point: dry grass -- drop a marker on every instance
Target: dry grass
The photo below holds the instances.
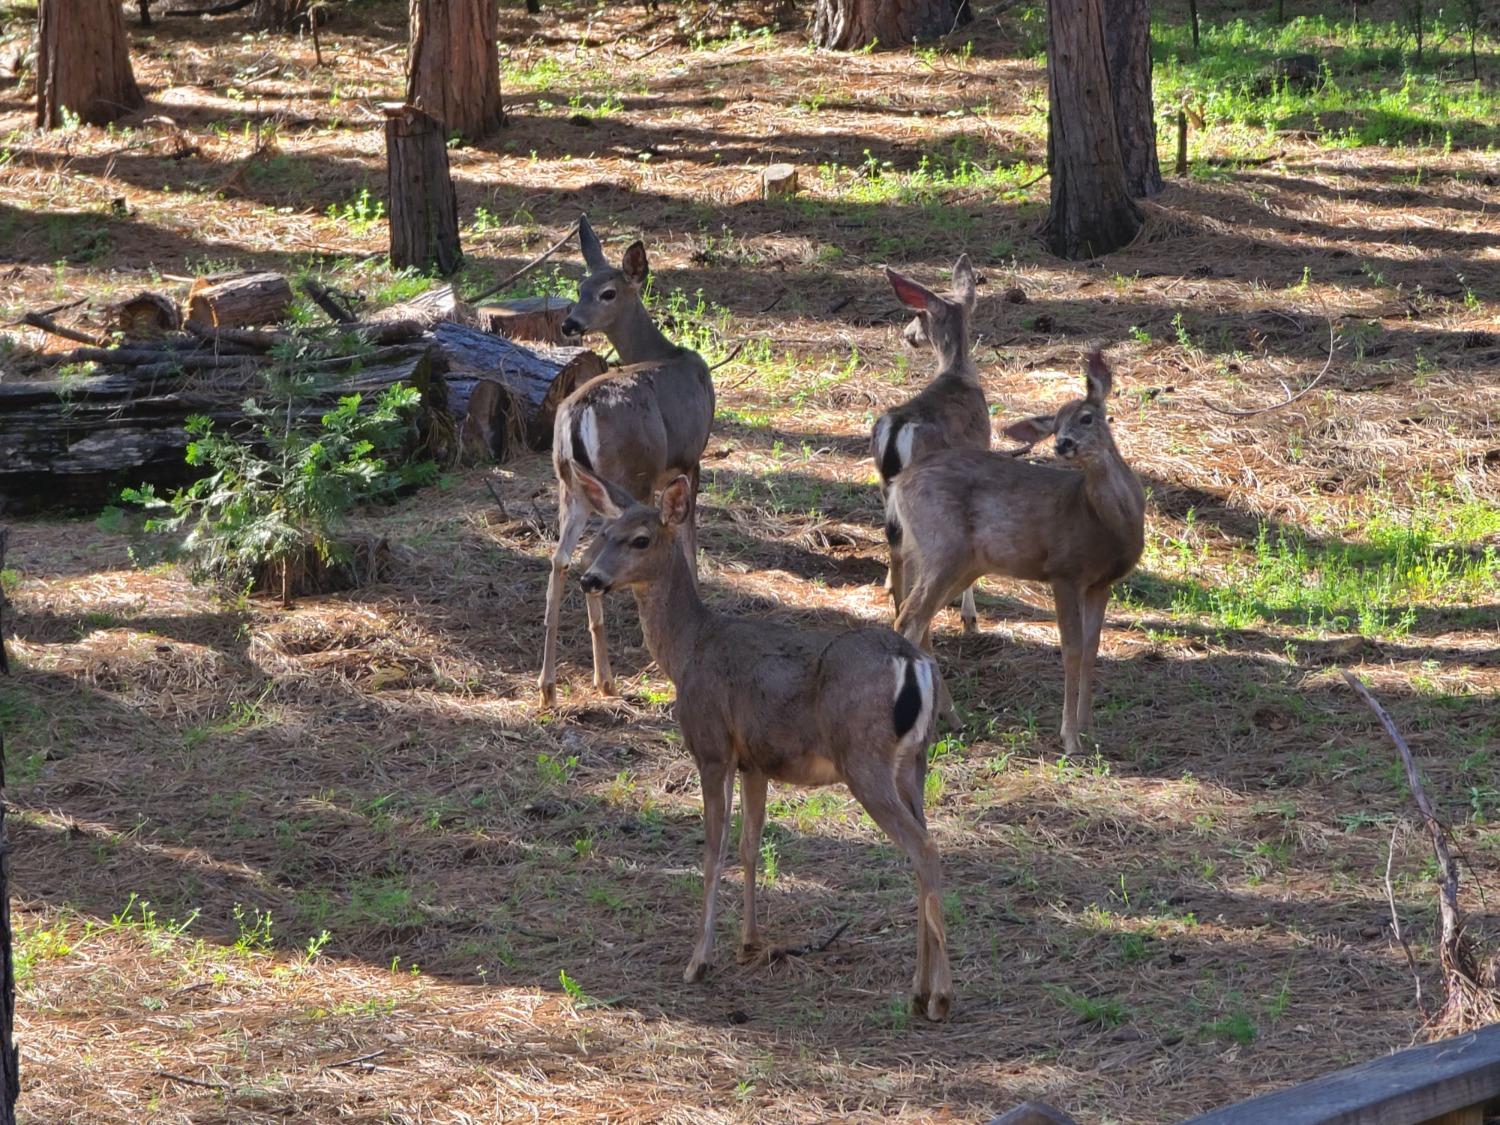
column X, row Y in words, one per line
column 1193, row 915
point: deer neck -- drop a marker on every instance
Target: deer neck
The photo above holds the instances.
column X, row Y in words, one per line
column 956, row 362
column 1114, row 494
column 672, row 615
column 637, row 339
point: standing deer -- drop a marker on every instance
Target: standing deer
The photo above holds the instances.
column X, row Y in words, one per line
column 771, row 701
column 964, row 514
column 949, row 413
column 639, row 425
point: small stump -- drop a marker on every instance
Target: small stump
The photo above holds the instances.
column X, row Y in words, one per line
column 423, row 204
column 779, row 181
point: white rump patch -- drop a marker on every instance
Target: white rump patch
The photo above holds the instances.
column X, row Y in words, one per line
column 882, row 435
column 904, row 437
column 588, row 433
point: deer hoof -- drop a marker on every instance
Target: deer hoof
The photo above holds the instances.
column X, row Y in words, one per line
column 549, row 696
column 971, row 625
column 695, row 972
column 606, row 685
column 751, row 951
column 939, row 1004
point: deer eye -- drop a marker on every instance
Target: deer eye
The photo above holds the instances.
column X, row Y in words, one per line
column 607, row 295
column 641, row 542
column 1085, row 418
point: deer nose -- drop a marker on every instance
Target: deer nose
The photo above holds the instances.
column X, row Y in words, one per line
column 1066, row 447
column 592, row 583
column 571, row 327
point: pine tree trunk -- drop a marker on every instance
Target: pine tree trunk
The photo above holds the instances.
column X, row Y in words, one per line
column 1091, row 213
column 848, row 25
column 423, row 204
column 83, row 63
column 278, row 15
column 1127, row 34
column 453, row 70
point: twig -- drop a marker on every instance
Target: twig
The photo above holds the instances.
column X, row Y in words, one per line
column 192, row 1081
column 495, row 492
column 730, row 357
column 241, row 337
column 1291, row 398
column 47, row 324
column 324, row 298
column 774, row 301
column 821, row 947
column 527, row 268
column 356, row 1060
column 4, row 660
column 1390, row 897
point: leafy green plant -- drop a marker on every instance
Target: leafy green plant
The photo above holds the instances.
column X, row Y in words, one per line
column 359, row 214
column 277, row 493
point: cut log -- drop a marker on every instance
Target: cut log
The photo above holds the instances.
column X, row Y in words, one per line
column 146, row 316
column 779, row 181
column 504, row 396
column 526, row 318
column 259, row 298
column 423, row 204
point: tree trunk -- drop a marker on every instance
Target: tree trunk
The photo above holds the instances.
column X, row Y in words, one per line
column 453, row 70
column 1092, row 212
column 1193, row 19
column 1127, row 34
column 83, row 63
column 278, row 15
column 423, row 204
column 848, row 25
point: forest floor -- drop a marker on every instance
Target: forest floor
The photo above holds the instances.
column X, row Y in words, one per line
column 331, row 863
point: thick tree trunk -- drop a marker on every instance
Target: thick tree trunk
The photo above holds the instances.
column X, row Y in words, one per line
column 423, row 204
column 278, row 15
column 1092, row 212
column 1127, row 34
column 848, row 25
column 83, row 63
column 453, row 70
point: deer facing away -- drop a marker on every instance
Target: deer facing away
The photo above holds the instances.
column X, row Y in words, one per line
column 949, row 413
column 963, row 514
column 773, row 702
column 640, row 426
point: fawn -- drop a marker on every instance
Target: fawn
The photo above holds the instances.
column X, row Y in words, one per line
column 963, row 514
column 770, row 701
column 639, row 425
column 949, row 413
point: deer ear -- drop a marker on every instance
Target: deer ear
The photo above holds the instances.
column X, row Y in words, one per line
column 912, row 295
column 676, row 500
column 1097, row 376
column 635, row 267
column 588, row 242
column 965, row 283
column 1032, row 430
column 609, row 500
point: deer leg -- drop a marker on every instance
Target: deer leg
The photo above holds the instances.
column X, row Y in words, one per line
column 969, row 612
column 718, row 794
column 604, row 678
column 895, row 579
column 752, row 823
column 932, row 987
column 572, row 516
column 1070, row 633
column 1094, row 602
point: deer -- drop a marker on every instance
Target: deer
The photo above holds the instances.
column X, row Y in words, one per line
column 640, row 425
column 949, row 413
column 963, row 514
column 773, row 702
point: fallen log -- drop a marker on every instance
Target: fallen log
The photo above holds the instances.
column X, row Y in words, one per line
column 145, row 316
column 260, row 298
column 526, row 318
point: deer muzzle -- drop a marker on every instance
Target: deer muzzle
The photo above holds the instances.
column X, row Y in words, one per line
column 593, row 583
column 571, row 328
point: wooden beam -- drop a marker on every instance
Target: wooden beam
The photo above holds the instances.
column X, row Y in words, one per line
column 1408, row 1088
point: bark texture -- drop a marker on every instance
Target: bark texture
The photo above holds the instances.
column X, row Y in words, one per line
column 279, row 15
column 1127, row 34
column 423, row 204
column 83, row 63
column 848, row 25
column 259, row 298
column 453, row 70
column 1092, row 212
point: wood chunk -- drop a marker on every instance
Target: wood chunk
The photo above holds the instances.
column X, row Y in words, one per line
column 258, row 298
column 146, row 316
column 526, row 318
column 779, row 181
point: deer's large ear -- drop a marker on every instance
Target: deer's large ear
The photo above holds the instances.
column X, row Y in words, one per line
column 604, row 497
column 676, row 501
column 1032, row 430
column 635, row 267
column 1097, row 375
column 965, row 283
column 588, row 242
column 912, row 294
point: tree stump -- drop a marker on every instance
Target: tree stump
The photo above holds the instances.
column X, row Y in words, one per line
column 526, row 318
column 279, row 15
column 1092, row 212
column 258, row 298
column 83, row 63
column 779, row 181
column 1127, row 37
column 423, row 205
column 146, row 316
column 453, row 67
column 849, row 25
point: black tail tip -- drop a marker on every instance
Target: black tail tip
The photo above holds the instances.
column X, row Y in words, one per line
column 893, row 532
column 908, row 705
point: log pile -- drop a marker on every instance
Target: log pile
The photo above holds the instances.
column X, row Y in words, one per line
column 71, row 440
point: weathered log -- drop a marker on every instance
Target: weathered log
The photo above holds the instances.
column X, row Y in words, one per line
column 145, row 316
column 528, row 384
column 779, row 181
column 423, row 204
column 526, row 318
column 259, row 298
